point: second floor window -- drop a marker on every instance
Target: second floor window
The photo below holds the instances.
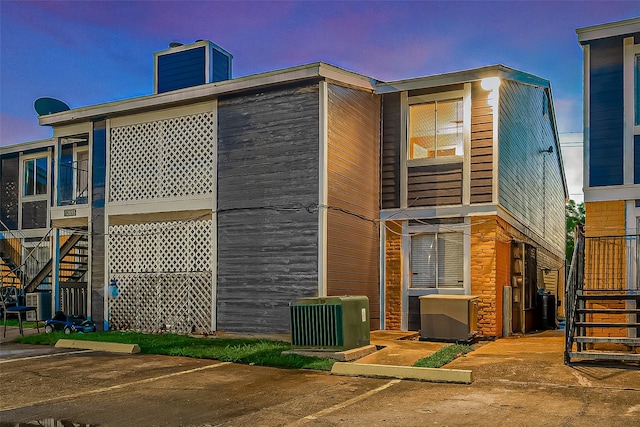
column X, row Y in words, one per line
column 35, row 176
column 435, row 129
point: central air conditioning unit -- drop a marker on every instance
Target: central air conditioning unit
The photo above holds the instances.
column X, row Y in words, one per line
column 42, row 302
column 448, row 317
column 330, row 323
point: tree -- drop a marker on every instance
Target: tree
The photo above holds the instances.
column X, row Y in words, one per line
column 574, row 213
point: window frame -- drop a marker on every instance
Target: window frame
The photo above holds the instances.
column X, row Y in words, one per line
column 23, row 174
column 437, row 286
column 457, row 95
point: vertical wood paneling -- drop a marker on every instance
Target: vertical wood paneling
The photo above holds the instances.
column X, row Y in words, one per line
column 481, row 146
column 353, row 248
column 267, row 207
column 530, row 180
column 390, row 173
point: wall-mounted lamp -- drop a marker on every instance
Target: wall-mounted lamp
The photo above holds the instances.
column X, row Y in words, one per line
column 490, row 83
column 548, row 150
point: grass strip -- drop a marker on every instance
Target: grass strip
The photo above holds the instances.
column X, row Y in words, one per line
column 250, row 351
column 443, row 356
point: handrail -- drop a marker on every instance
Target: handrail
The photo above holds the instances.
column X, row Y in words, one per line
column 575, row 284
column 24, row 261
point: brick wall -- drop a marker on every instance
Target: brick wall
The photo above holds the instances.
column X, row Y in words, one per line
column 483, row 273
column 393, row 275
column 605, row 259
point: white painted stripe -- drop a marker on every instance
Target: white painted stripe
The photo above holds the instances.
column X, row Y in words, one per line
column 343, row 404
column 114, row 387
column 43, row 356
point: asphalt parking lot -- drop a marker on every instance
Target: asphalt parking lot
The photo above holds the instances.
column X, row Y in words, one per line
column 515, row 383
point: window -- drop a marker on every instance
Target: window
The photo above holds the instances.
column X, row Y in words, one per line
column 73, row 170
column 437, row 260
column 35, row 176
column 435, row 129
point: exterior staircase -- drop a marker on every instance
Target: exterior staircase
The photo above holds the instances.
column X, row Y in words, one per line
column 72, row 274
column 602, row 310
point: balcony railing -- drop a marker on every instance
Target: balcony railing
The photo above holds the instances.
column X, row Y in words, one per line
column 73, row 183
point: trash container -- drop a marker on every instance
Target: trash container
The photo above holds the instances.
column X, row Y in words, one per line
column 547, row 310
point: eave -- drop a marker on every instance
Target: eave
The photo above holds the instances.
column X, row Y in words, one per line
column 317, row 70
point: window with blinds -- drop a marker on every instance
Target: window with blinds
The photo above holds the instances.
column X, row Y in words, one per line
column 437, row 260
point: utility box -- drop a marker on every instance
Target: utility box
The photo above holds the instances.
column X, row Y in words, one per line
column 42, row 302
column 330, row 323
column 448, row 317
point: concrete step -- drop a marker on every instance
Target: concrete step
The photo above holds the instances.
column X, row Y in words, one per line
column 601, row 355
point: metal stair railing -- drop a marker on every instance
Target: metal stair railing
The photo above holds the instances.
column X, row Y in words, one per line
column 20, row 270
column 48, row 267
column 575, row 285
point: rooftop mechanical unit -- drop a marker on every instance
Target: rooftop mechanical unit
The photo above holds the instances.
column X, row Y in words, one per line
column 194, row 64
column 330, row 323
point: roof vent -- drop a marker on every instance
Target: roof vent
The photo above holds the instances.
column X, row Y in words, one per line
column 189, row 65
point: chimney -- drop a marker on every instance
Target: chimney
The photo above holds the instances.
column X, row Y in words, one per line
column 188, row 65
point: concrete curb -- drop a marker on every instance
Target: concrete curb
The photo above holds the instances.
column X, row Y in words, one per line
column 99, row 346
column 403, row 372
column 340, row 356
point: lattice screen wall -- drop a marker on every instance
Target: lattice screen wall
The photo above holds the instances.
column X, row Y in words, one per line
column 164, row 276
column 163, row 159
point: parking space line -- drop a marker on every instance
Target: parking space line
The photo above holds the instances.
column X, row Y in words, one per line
column 346, row 403
column 44, row 355
column 114, row 387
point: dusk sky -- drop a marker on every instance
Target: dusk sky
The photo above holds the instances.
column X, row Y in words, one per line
column 87, row 53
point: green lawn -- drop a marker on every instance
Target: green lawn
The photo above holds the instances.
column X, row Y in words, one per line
column 251, row 351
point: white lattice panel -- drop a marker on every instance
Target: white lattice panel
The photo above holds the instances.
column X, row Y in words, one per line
column 164, row 276
column 163, row 159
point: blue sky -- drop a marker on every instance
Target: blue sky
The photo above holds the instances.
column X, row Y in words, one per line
column 87, row 53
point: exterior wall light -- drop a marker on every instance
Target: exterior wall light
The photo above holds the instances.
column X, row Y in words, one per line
column 490, row 83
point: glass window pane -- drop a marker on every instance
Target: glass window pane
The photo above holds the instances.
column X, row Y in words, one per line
column 65, row 176
column 449, row 136
column 423, row 261
column 450, row 260
column 41, row 175
column 82, row 176
column 29, row 182
column 422, row 129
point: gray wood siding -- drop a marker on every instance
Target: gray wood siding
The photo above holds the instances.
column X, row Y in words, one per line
column 530, row 180
column 268, row 145
column 391, row 131
column 606, row 112
column 435, row 185
column 481, row 174
column 353, row 246
column 9, row 187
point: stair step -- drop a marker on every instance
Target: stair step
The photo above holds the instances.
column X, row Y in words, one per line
column 607, row 325
column 609, row 296
column 608, row 340
column 609, row 310
column 601, row 355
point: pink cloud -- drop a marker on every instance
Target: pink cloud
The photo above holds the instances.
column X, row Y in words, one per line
column 16, row 129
